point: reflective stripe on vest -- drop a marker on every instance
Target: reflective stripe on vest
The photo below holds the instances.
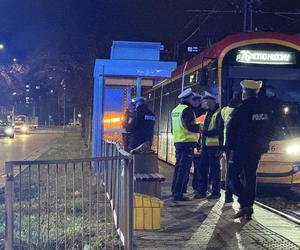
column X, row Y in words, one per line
column 180, row 133
column 213, row 141
column 225, row 113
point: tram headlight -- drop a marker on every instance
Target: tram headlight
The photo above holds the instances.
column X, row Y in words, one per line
column 293, row 149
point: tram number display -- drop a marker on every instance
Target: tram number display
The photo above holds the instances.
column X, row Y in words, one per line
column 265, row 57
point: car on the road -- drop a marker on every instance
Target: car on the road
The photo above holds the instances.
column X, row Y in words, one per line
column 7, row 130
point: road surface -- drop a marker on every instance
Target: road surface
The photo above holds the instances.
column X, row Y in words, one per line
column 25, row 147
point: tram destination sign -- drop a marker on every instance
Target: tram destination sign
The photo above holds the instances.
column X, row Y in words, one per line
column 265, row 57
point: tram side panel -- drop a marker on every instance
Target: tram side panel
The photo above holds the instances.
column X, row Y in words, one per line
column 170, row 104
column 156, row 105
column 162, row 148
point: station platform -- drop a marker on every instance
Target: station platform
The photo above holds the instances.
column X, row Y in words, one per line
column 203, row 224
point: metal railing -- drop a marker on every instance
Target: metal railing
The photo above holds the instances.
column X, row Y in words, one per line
column 70, row 204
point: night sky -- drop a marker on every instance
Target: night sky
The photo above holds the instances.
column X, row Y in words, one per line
column 80, row 24
column 68, row 35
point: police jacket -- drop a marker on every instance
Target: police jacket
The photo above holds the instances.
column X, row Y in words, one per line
column 184, row 128
column 250, row 128
column 213, row 129
column 188, row 118
column 141, row 126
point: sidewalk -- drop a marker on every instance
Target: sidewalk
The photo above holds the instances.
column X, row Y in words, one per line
column 209, row 225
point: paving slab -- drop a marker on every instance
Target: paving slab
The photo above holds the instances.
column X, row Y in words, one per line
column 203, row 224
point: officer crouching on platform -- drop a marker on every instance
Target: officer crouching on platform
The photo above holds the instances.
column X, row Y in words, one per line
column 185, row 135
column 249, row 132
column 212, row 142
column 140, row 125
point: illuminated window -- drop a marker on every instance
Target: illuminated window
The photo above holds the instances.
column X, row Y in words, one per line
column 192, row 49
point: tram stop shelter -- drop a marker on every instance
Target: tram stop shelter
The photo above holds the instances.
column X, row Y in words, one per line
column 131, row 64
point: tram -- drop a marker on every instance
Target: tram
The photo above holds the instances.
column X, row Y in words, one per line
column 274, row 59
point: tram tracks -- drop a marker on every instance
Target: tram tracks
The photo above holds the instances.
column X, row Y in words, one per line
column 285, row 203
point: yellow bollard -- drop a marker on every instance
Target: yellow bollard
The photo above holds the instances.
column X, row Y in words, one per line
column 147, row 212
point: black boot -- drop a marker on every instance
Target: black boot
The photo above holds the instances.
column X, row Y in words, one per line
column 199, row 196
column 245, row 212
column 181, row 198
column 228, row 199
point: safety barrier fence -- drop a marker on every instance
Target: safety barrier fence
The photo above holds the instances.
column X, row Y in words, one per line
column 70, row 204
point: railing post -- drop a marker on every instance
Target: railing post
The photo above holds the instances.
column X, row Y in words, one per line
column 9, row 211
column 129, row 196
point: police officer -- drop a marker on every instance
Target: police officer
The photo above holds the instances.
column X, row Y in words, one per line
column 200, row 113
column 225, row 113
column 212, row 141
column 141, row 124
column 185, row 136
column 248, row 135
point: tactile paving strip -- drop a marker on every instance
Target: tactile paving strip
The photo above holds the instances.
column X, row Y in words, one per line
column 266, row 238
column 218, row 231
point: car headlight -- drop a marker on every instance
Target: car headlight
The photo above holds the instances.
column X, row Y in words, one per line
column 9, row 131
column 293, row 149
column 24, row 129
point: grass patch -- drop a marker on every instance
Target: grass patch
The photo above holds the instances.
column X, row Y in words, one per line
column 61, row 206
column 70, row 146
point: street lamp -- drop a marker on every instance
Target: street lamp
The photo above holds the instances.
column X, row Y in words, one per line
column 15, row 59
column 1, row 46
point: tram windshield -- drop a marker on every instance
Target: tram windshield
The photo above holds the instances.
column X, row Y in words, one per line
column 284, row 97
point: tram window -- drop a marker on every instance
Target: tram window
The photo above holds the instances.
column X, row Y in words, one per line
column 209, row 74
column 203, row 77
column 230, row 87
column 193, row 78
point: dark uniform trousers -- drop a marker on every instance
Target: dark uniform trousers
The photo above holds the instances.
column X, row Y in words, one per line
column 195, row 182
column 184, row 159
column 196, row 163
column 228, row 184
column 209, row 168
column 242, row 174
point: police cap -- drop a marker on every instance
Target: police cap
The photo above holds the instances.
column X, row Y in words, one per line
column 186, row 93
column 139, row 99
column 251, row 84
column 208, row 95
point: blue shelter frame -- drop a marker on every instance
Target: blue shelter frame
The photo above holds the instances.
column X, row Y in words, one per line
column 130, row 64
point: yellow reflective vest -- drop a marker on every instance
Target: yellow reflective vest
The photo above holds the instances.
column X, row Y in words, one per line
column 225, row 113
column 180, row 133
column 213, row 140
